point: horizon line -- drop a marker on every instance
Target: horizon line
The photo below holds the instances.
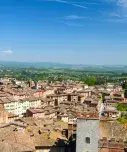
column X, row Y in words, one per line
column 79, row 64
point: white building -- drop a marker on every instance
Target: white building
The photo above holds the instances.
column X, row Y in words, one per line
column 19, row 107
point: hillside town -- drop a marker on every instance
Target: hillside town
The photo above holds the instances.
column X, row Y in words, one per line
column 61, row 117
column 63, row 75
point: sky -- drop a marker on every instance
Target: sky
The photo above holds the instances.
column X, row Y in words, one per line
column 64, row 31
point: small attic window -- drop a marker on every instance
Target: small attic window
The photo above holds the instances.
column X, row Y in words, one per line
column 87, row 140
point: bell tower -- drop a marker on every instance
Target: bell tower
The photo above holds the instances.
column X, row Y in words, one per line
column 87, row 133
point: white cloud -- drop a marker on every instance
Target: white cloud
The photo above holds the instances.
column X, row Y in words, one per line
column 114, row 14
column 67, row 2
column 119, row 11
column 73, row 24
column 80, row 6
column 75, row 17
column 117, row 20
column 61, row 1
column 119, row 3
column 88, row 3
column 122, row 3
column 8, row 52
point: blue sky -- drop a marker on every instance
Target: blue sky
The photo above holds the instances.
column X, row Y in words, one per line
column 65, row 31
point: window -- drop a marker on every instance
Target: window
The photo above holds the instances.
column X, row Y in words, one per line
column 87, row 140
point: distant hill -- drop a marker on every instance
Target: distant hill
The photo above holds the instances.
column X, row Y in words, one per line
column 113, row 68
column 40, row 65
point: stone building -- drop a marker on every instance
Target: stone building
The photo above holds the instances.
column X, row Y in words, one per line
column 19, row 107
column 87, row 133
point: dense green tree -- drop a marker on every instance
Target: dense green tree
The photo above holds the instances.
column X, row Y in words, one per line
column 91, row 81
column 125, row 93
column 122, row 107
column 124, row 85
